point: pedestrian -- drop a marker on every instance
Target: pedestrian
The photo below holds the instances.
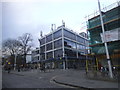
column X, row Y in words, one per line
column 9, row 69
column 18, row 68
column 99, row 66
column 74, row 66
column 42, row 67
column 35, row 66
column 48, row 67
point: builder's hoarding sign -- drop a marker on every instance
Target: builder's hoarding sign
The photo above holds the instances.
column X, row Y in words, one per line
column 112, row 35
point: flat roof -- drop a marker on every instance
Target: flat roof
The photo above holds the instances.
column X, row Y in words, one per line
column 59, row 28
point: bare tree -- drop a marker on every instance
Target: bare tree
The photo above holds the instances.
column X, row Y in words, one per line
column 26, row 40
column 11, row 46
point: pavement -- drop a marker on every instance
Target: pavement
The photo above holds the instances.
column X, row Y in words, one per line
column 78, row 79
column 73, row 78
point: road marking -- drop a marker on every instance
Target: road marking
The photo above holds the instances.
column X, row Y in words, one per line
column 51, row 81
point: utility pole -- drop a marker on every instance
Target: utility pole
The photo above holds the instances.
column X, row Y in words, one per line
column 105, row 43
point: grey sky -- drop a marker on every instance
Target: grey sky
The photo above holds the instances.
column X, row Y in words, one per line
column 32, row 17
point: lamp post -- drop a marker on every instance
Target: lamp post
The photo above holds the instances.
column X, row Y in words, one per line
column 86, row 64
column 39, row 52
column 15, row 62
column 66, row 66
column 105, row 43
column 86, row 57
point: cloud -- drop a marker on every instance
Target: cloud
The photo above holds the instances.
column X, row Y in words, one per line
column 32, row 16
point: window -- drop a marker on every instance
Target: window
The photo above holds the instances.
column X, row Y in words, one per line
column 69, row 44
column 86, row 42
column 49, row 46
column 95, row 36
column 42, row 49
column 58, row 53
column 82, row 53
column 81, row 47
column 58, row 43
column 37, row 52
column 33, row 53
column 86, row 50
column 79, row 54
column 57, row 34
column 49, row 38
column 42, row 56
column 94, row 22
column 69, row 35
column 80, row 39
column 42, row 41
column 70, row 53
column 49, row 55
column 38, row 58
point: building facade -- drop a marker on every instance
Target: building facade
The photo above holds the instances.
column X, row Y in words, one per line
column 63, row 48
column 35, row 55
column 111, row 19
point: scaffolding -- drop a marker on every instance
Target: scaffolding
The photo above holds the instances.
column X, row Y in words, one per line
column 111, row 17
column 104, row 9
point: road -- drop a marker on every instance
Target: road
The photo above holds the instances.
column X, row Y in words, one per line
column 43, row 80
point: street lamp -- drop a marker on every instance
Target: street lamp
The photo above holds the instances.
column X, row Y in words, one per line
column 39, row 50
column 86, row 64
column 66, row 66
column 15, row 62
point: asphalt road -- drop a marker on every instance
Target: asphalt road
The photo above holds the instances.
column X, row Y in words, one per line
column 24, row 81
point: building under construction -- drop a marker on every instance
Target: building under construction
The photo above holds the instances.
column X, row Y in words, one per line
column 111, row 19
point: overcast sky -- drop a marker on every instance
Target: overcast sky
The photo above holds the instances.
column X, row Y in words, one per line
column 33, row 16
